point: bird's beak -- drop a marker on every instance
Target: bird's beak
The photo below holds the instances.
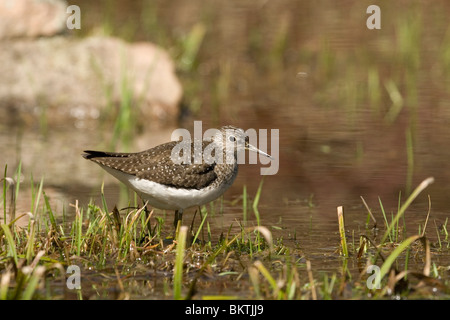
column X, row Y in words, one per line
column 249, row 147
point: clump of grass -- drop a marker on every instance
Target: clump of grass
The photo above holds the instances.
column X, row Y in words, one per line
column 405, row 206
column 191, row 46
column 397, row 280
column 123, row 247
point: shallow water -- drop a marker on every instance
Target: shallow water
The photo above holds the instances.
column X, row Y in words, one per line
column 303, row 69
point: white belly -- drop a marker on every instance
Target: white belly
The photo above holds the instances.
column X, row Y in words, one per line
column 170, row 198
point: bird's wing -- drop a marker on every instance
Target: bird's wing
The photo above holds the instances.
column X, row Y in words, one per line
column 156, row 165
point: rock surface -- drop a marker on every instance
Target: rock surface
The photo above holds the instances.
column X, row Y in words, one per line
column 66, row 80
column 76, row 79
column 25, row 18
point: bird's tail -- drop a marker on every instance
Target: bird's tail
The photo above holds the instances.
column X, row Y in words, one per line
column 91, row 154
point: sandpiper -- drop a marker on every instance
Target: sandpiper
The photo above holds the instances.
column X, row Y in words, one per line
column 170, row 185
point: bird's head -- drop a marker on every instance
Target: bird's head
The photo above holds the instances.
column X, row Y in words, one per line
column 233, row 139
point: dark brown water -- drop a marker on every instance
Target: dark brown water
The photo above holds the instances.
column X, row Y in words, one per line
column 310, row 69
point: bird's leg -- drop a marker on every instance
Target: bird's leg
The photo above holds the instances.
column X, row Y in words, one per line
column 178, row 218
column 192, row 223
column 144, row 204
column 147, row 215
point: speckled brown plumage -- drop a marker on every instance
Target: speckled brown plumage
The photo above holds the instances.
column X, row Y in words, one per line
column 156, row 165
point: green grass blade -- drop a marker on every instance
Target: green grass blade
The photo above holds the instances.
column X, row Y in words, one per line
column 33, row 283
column 11, row 244
column 200, row 227
column 244, row 204
column 50, row 212
column 257, row 196
column 4, row 194
column 384, row 217
column 272, row 282
column 30, row 244
column 410, row 160
column 423, row 185
column 178, row 272
column 105, row 207
column 394, row 255
column 191, row 46
column 18, row 176
column 340, row 213
column 38, row 197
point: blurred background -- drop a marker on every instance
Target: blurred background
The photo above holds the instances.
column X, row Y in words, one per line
column 360, row 112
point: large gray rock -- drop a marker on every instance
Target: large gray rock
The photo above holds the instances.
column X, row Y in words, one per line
column 76, row 79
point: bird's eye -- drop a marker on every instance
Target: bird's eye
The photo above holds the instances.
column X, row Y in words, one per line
column 232, row 138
